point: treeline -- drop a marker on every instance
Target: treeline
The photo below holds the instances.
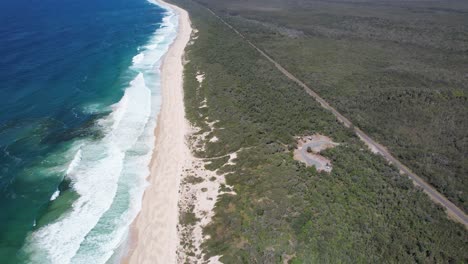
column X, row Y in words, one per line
column 363, row 211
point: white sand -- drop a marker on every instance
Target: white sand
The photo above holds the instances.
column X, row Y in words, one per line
column 200, row 77
column 200, row 199
column 154, row 232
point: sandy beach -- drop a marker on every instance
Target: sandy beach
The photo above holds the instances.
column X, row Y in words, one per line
column 154, row 237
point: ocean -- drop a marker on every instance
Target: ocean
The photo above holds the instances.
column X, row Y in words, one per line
column 79, row 99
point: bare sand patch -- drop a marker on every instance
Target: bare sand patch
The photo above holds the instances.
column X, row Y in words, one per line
column 200, row 77
column 200, row 190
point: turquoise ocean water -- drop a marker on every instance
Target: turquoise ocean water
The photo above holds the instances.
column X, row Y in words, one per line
column 79, row 98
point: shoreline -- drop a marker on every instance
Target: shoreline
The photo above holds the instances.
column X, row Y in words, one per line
column 153, row 236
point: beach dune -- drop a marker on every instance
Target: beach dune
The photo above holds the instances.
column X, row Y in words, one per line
column 154, row 236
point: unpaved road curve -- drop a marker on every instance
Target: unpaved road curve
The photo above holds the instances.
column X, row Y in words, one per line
column 452, row 210
column 304, row 154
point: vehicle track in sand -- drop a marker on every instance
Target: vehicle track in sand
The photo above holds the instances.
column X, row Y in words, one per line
column 452, row 210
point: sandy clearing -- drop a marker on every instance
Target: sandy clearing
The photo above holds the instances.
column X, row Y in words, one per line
column 316, row 143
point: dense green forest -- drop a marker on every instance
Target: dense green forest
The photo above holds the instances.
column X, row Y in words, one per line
column 396, row 69
column 364, row 211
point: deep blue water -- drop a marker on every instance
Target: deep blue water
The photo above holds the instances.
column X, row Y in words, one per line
column 63, row 63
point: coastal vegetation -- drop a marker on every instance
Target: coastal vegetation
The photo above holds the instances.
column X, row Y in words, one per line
column 396, row 69
column 284, row 212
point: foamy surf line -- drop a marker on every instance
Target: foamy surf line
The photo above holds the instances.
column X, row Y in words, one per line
column 155, row 236
column 109, row 174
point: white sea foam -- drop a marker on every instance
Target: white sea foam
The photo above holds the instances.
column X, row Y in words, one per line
column 138, row 58
column 55, row 195
column 75, row 161
column 109, row 174
column 91, row 109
